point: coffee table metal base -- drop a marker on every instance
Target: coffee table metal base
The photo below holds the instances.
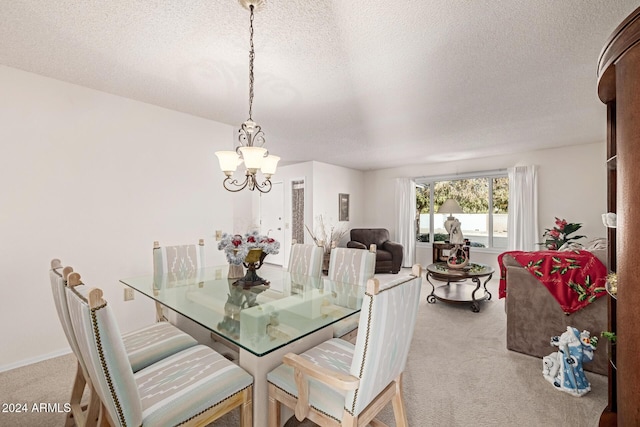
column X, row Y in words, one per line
column 459, row 292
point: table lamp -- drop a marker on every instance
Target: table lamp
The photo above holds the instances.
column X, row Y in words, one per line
column 450, row 206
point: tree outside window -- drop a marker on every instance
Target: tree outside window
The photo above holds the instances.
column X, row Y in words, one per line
column 423, row 206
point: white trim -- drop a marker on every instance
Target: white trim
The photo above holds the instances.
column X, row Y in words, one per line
column 36, row 359
column 466, row 175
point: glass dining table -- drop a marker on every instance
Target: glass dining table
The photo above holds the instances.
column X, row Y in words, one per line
column 292, row 314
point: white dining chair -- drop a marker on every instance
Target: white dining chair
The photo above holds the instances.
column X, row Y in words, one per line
column 305, row 260
column 143, row 347
column 193, row 387
column 172, row 265
column 338, row 383
column 350, row 267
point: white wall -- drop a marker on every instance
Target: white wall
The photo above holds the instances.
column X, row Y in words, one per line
column 571, row 185
column 243, row 218
column 330, row 181
column 94, row 179
column 323, row 183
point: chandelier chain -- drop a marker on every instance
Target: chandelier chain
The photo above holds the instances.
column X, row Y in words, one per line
column 252, row 55
column 250, row 137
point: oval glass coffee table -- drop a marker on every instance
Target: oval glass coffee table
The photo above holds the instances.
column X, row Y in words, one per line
column 457, row 289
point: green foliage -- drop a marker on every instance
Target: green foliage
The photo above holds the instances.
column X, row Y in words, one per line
column 441, row 237
column 501, row 195
column 471, row 194
column 422, row 237
column 611, row 336
column 477, row 245
column 422, row 199
column 437, row 237
column 557, row 236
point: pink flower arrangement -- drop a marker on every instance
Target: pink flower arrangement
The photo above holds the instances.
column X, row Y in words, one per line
column 236, row 247
column 558, row 236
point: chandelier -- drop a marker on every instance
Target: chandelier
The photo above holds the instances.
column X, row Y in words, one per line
column 250, row 136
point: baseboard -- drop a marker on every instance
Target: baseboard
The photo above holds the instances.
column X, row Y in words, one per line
column 36, row 359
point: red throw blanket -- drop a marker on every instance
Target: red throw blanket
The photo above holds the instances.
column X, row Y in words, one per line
column 574, row 278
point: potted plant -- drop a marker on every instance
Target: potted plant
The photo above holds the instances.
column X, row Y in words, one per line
column 558, row 236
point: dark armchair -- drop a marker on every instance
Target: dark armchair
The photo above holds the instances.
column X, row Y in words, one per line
column 388, row 253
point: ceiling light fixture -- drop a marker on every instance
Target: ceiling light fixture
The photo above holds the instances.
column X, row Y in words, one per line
column 250, row 137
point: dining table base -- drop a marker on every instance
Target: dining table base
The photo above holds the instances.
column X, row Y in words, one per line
column 260, row 366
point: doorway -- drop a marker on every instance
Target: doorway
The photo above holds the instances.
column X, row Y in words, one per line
column 272, row 219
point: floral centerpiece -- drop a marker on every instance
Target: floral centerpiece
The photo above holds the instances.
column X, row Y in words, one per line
column 558, row 236
column 248, row 250
column 236, row 247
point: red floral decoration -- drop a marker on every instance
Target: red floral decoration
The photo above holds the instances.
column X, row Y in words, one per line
column 558, row 236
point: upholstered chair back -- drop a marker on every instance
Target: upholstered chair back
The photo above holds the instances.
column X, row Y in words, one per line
column 353, row 266
column 171, row 264
column 102, row 349
column 305, row 260
column 385, row 331
column 58, row 289
column 369, row 236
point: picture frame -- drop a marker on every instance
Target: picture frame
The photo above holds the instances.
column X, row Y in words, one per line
column 343, row 207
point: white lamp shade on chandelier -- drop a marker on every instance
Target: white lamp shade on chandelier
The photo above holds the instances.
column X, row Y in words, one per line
column 253, row 157
column 229, row 161
column 269, row 164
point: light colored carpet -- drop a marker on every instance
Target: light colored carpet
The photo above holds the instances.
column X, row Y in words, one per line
column 459, row 373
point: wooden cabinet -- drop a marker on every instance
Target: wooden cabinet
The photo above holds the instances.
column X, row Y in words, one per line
column 441, row 251
column 619, row 88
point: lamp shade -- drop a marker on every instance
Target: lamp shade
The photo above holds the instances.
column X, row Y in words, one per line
column 253, row 156
column 229, row 160
column 450, row 206
column 269, row 164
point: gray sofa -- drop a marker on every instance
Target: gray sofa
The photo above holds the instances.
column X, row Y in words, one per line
column 534, row 316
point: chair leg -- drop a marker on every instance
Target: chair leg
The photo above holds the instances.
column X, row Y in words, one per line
column 103, row 418
column 398, row 405
column 246, row 409
column 274, row 408
column 76, row 416
column 160, row 317
column 349, row 420
column 93, row 409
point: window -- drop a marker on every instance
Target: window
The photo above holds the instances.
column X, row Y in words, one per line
column 484, row 199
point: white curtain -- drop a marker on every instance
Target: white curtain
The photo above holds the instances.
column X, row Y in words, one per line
column 523, row 209
column 406, row 219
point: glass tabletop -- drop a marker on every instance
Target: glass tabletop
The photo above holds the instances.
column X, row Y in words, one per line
column 259, row 319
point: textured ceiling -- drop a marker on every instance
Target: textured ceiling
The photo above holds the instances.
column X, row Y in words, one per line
column 366, row 85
